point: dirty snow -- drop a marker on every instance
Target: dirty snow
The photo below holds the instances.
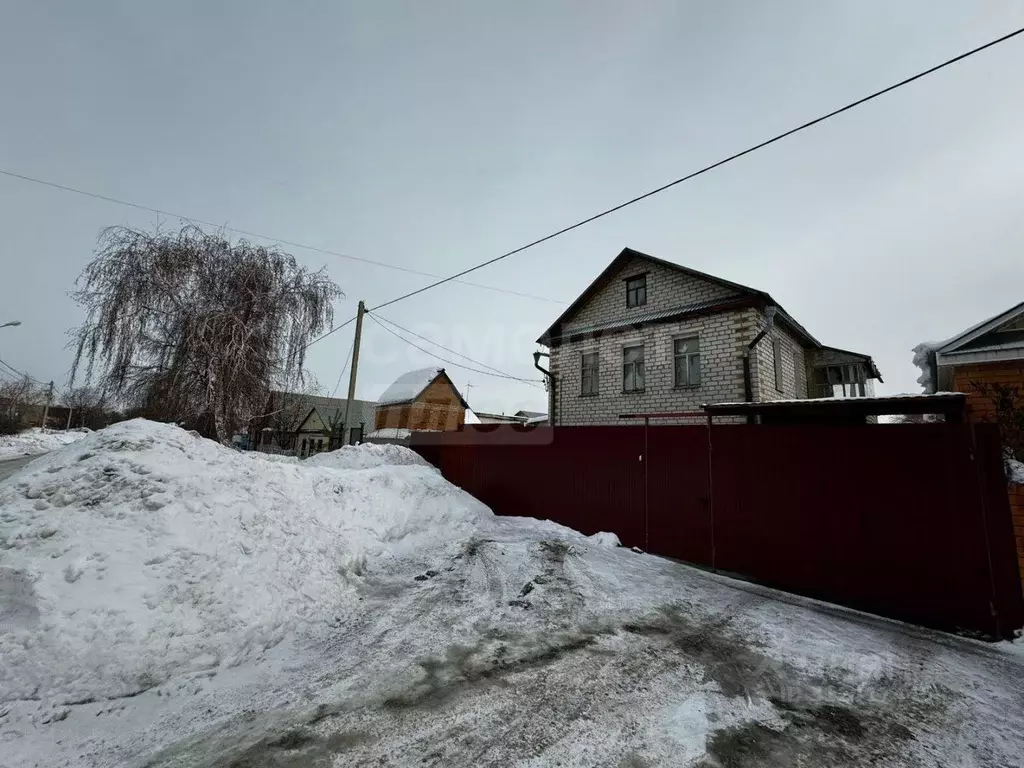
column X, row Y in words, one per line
column 142, row 552
column 320, row 616
column 408, row 385
column 1014, row 471
column 605, row 539
column 36, row 440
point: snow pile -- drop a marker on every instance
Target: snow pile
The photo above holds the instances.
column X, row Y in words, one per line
column 143, row 551
column 605, row 539
column 367, row 456
column 1014, row 471
column 37, row 440
column 924, row 356
column 408, row 385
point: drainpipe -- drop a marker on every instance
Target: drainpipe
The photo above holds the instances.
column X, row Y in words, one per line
column 551, row 384
column 748, row 384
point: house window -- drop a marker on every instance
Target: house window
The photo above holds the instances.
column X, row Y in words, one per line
column 303, row 451
column 777, row 354
column 636, row 291
column 839, row 381
column 319, row 445
column 633, row 369
column 355, row 435
column 589, row 372
column 686, row 358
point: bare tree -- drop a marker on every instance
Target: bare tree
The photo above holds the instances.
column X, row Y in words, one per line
column 88, row 406
column 189, row 326
column 16, row 395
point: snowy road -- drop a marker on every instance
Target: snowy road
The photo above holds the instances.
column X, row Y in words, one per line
column 9, row 466
column 523, row 649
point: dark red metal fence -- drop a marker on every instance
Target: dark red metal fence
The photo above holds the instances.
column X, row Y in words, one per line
column 906, row 521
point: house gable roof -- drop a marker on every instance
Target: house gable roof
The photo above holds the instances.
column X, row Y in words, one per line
column 975, row 332
column 332, row 415
column 408, row 387
column 747, row 296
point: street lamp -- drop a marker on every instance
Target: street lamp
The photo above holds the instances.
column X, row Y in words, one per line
column 12, row 322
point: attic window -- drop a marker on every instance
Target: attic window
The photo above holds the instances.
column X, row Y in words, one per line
column 636, row 291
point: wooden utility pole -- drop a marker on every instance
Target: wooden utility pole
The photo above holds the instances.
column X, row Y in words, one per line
column 68, row 425
column 46, row 408
column 346, row 424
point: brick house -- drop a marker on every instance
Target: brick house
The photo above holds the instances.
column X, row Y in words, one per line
column 650, row 336
column 425, row 399
column 991, row 352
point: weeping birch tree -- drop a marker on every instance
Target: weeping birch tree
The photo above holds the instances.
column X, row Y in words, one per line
column 192, row 327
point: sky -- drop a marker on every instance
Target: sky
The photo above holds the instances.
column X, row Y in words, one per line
column 434, row 136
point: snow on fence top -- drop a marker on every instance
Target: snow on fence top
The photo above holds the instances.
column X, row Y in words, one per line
column 408, row 385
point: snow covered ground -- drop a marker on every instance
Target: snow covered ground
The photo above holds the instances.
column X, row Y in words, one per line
column 165, row 601
column 36, row 440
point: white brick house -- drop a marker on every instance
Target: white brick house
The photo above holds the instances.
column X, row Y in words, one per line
column 649, row 336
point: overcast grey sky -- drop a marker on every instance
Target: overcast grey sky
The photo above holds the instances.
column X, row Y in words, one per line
column 436, row 135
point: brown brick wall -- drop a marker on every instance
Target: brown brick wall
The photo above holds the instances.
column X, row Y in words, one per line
column 980, row 408
column 438, row 407
column 1017, row 511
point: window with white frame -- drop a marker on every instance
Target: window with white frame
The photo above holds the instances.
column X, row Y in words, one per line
column 686, row 360
column 633, row 368
column 589, row 373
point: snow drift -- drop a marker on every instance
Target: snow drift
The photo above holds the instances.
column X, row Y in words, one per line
column 142, row 551
column 37, row 440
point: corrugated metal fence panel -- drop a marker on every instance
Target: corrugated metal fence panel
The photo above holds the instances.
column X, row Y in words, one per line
column 907, row 521
column 678, row 503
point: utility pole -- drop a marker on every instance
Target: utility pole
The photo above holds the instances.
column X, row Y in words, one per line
column 345, row 425
column 46, row 408
column 469, row 386
column 68, row 425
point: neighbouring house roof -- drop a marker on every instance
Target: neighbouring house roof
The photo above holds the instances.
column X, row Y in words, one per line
column 333, row 415
column 748, row 296
column 531, row 414
column 304, row 403
column 983, row 342
column 971, row 340
column 409, row 386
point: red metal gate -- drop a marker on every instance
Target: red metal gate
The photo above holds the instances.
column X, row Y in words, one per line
column 907, row 521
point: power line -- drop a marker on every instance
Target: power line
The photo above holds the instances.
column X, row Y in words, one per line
column 704, row 170
column 333, row 330
column 21, row 374
column 248, row 233
column 529, row 382
column 348, row 359
column 442, row 346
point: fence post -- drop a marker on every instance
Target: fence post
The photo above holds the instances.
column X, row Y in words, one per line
column 711, row 498
column 647, row 461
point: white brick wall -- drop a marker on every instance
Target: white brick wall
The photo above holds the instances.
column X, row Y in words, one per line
column 666, row 289
column 762, row 363
column 722, row 337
